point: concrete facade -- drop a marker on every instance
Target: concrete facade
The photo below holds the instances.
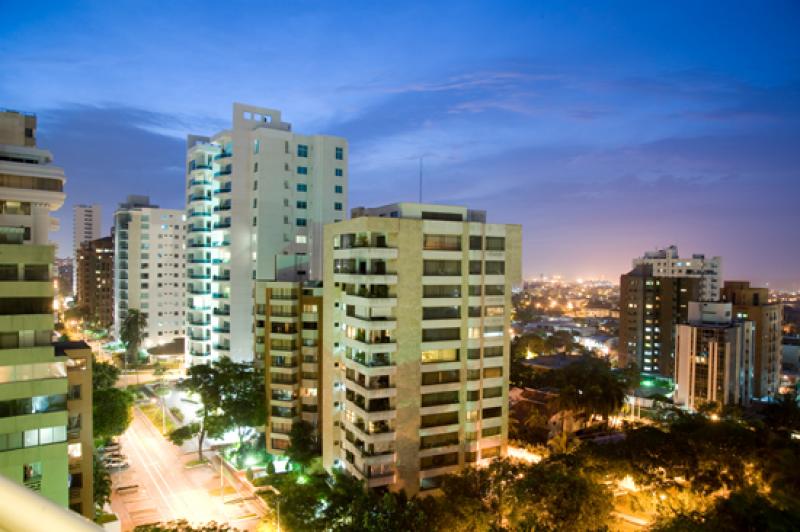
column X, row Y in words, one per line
column 415, row 364
column 753, row 304
column 713, row 357
column 258, row 196
column 668, row 263
column 288, row 330
column 95, row 273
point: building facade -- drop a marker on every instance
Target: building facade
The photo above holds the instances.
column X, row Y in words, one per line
column 149, row 269
column 415, row 364
column 668, row 263
column 33, row 380
column 650, row 308
column 65, row 275
column 713, row 357
column 753, row 304
column 257, row 198
column 80, row 440
column 86, row 223
column 288, row 332
column 95, row 288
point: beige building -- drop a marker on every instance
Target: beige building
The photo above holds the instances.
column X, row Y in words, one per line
column 713, row 357
column 288, row 338
column 80, row 443
column 750, row 303
column 415, row 365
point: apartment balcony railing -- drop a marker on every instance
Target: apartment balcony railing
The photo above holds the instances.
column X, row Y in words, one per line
column 219, row 295
column 199, row 261
column 199, row 337
column 194, row 166
column 222, row 225
column 222, row 312
column 199, row 214
column 199, row 353
column 222, row 173
column 222, row 208
column 199, row 229
column 222, row 190
column 199, row 182
column 194, row 245
column 221, row 329
column 199, row 197
column 198, row 323
column 198, row 291
column 283, row 297
column 222, row 277
column 201, row 277
column 223, row 155
column 222, row 347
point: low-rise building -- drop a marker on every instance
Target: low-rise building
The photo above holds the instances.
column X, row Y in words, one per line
column 714, row 357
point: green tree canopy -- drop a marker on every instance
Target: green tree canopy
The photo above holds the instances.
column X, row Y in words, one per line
column 104, row 375
column 132, row 333
column 111, row 410
column 304, row 445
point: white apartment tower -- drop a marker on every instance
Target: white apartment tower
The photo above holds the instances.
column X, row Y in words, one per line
column 415, row 360
column 85, row 225
column 149, row 268
column 668, row 263
column 258, row 196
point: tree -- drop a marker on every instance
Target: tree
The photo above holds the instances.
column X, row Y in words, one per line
column 241, row 395
column 111, row 411
column 132, row 333
column 304, row 445
column 203, row 380
column 101, row 483
column 104, row 375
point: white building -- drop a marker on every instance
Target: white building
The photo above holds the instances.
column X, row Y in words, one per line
column 415, row 365
column 668, row 263
column 258, row 196
column 86, row 222
column 714, row 356
column 149, row 268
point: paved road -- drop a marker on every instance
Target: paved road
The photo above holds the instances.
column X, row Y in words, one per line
column 167, row 490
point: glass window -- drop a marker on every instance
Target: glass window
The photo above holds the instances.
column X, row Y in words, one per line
column 301, row 204
column 302, row 170
column 338, row 189
column 339, row 154
column 337, row 206
column 339, row 172
column 301, row 222
column 302, row 150
column 302, row 187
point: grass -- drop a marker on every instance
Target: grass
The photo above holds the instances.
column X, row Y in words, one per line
column 153, row 413
column 195, row 463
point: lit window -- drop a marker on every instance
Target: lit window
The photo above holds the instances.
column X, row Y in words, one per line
column 301, row 239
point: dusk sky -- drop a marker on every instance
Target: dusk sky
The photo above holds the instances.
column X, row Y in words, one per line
column 604, row 130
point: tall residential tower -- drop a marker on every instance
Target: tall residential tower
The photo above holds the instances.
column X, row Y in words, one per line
column 257, row 198
column 415, row 363
column 668, row 263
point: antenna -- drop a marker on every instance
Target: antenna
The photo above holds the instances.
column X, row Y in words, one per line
column 420, row 178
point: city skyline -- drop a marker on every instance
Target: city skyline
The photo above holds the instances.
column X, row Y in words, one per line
column 598, row 118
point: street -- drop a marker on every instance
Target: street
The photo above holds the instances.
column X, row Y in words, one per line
column 158, row 487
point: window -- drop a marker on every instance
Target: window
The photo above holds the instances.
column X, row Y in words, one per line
column 442, row 267
column 439, row 355
column 302, row 170
column 256, row 146
column 339, row 154
column 339, row 172
column 441, row 313
column 302, row 187
column 300, row 222
column 495, row 243
column 475, row 267
column 442, row 242
column 301, row 239
column 440, row 335
column 338, row 189
column 441, row 290
column 495, row 267
column 337, row 206
column 490, row 373
column 474, row 243
column 301, row 205
column 302, row 150
column 492, row 412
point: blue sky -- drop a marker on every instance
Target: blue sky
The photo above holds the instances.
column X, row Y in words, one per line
column 604, row 128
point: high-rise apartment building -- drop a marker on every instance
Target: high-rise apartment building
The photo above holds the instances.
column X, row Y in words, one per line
column 258, row 196
column 650, row 307
column 33, row 379
column 95, row 288
column 415, row 363
column 288, row 332
column 86, row 222
column 668, row 263
column 750, row 303
column 149, row 268
column 713, row 357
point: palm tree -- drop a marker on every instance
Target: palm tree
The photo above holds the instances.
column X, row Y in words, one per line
column 132, row 333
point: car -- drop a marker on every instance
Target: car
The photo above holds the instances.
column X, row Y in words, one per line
column 109, row 448
column 114, row 456
column 117, row 464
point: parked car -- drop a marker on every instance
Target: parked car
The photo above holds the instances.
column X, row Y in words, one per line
column 114, row 456
column 117, row 464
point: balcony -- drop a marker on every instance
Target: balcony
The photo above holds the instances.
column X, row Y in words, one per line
column 199, row 337
column 201, row 277
column 223, row 173
column 222, row 347
column 222, row 277
column 222, row 312
column 199, row 197
column 199, row 261
column 199, row 182
column 225, row 330
column 199, row 214
column 222, row 208
column 223, row 155
column 222, row 190
column 195, row 245
column 222, row 225
column 198, row 291
column 193, row 229
column 198, row 323
column 219, row 295
column 194, row 166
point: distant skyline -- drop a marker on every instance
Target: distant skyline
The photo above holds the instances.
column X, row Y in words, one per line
column 605, row 131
